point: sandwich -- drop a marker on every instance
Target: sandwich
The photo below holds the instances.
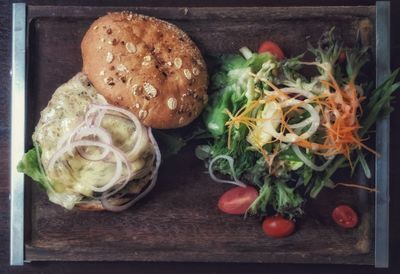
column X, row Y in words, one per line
column 90, row 154
column 93, row 145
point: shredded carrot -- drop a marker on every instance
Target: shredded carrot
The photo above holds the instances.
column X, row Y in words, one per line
column 342, row 133
column 339, row 107
column 327, row 84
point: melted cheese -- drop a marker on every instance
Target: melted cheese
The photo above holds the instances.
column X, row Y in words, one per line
column 65, row 111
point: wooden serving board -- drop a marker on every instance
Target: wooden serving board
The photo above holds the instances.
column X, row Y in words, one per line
column 179, row 220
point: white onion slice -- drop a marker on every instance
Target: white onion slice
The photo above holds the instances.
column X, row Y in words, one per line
column 135, row 175
column 139, row 138
column 293, row 101
column 116, row 208
column 99, row 118
column 139, row 128
column 139, row 141
column 314, row 124
column 103, row 137
column 91, row 115
column 302, row 124
column 119, row 157
column 291, row 137
column 307, row 161
column 246, row 52
column 230, row 160
column 117, row 109
column 75, row 140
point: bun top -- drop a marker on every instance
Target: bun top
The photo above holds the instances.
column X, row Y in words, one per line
column 147, row 66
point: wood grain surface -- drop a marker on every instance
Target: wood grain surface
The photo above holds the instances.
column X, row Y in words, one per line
column 192, row 224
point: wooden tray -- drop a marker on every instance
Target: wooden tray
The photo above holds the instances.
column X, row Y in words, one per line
column 179, row 220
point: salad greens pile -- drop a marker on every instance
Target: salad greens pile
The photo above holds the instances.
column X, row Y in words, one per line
column 287, row 133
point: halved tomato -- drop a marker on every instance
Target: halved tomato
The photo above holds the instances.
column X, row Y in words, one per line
column 345, row 216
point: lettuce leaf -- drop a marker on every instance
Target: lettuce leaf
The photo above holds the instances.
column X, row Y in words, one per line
column 31, row 167
column 287, row 200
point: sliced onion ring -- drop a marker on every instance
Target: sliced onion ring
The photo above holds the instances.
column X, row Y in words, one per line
column 119, row 156
column 139, row 128
column 230, row 160
column 291, row 137
column 117, row 208
column 103, row 136
column 77, row 138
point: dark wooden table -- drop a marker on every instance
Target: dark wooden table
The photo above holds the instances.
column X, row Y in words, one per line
column 5, row 81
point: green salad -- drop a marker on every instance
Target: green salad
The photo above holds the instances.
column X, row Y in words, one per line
column 285, row 132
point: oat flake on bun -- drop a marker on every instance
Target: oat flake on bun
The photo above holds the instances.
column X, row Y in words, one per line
column 147, row 66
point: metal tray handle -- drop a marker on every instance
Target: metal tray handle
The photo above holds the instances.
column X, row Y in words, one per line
column 18, row 85
column 382, row 163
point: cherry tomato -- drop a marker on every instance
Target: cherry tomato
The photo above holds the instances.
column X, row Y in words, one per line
column 342, row 57
column 277, row 226
column 345, row 216
column 237, row 200
column 273, row 48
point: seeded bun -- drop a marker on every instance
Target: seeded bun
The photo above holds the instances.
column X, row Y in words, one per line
column 147, row 66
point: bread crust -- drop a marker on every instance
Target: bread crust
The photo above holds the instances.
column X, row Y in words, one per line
column 94, row 205
column 147, row 66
